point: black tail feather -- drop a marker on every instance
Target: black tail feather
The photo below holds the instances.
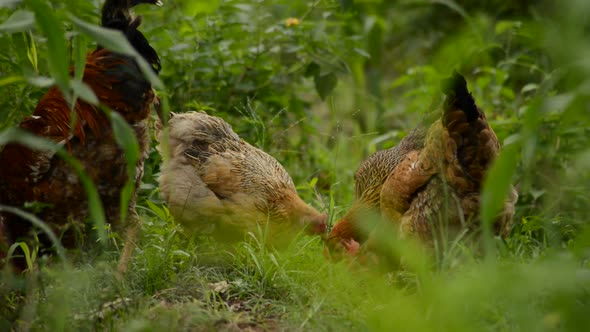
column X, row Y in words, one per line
column 455, row 87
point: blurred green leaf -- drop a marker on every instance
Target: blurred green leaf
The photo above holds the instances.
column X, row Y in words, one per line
column 116, row 41
column 11, row 80
column 346, row 4
column 325, row 84
column 504, row 26
column 454, row 6
column 32, row 51
column 83, row 91
column 20, row 20
column 495, row 189
column 193, row 8
column 40, row 81
column 312, row 70
column 56, row 43
column 126, row 139
column 79, row 57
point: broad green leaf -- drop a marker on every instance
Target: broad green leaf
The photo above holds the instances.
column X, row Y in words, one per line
column 57, row 54
column 116, row 42
column 325, row 84
column 15, row 135
column 20, row 20
column 159, row 211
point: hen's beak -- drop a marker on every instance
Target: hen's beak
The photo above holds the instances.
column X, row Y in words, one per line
column 317, row 225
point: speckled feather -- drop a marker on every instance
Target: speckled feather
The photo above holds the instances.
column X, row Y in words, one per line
column 431, row 179
column 368, row 181
column 441, row 187
column 29, row 175
column 212, row 178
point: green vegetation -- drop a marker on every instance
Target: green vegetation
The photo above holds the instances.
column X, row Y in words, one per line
column 321, row 93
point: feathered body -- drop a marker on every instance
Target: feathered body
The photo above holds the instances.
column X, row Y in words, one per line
column 215, row 181
column 368, row 182
column 434, row 175
column 40, row 176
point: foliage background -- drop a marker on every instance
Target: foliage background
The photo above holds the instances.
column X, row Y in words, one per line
column 321, row 94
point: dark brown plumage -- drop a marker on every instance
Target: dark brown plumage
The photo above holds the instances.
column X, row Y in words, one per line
column 433, row 177
column 40, row 176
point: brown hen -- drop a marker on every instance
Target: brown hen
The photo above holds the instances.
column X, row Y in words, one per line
column 432, row 178
column 40, row 176
column 215, row 182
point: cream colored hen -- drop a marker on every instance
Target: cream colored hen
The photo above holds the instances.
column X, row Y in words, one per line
column 215, row 182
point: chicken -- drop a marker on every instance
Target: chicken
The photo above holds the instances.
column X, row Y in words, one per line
column 369, row 179
column 40, row 176
column 215, row 182
column 431, row 179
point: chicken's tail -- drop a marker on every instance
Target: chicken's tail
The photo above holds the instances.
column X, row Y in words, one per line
column 458, row 97
column 470, row 143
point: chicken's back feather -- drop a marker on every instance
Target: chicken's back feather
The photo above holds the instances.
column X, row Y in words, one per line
column 213, row 179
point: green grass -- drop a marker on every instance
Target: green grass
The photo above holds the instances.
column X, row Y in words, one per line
column 526, row 65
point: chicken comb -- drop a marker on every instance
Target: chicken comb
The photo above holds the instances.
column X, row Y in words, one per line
column 455, row 87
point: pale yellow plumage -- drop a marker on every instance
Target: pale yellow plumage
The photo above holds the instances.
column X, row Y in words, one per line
column 215, row 181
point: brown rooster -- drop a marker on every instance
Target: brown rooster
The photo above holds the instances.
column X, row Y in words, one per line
column 433, row 177
column 40, row 176
column 214, row 181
